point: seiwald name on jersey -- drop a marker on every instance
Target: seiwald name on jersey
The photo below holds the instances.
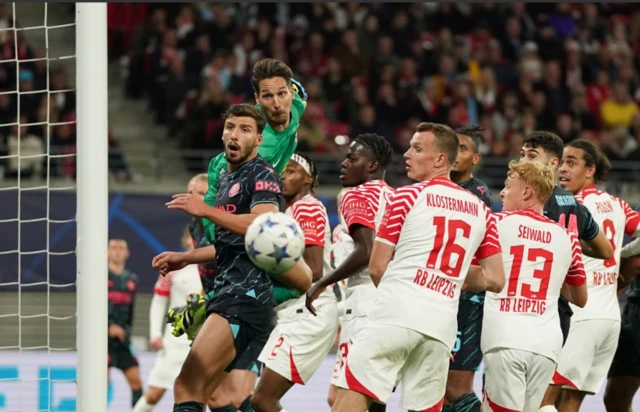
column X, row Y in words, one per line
column 252, row 184
column 312, row 217
column 122, row 294
column 481, row 190
column 615, row 218
column 436, row 228
column 539, row 255
column 364, row 205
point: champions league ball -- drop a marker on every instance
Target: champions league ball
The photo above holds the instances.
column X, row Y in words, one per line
column 274, row 242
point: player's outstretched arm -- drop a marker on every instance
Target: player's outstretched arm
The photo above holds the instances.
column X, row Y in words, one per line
column 576, row 294
column 357, row 260
column 166, row 262
column 380, row 257
column 314, row 256
column 237, row 224
column 598, row 247
column 298, row 278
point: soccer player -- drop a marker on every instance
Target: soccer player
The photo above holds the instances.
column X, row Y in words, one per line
column 123, row 286
column 595, row 329
column 411, row 326
column 300, row 341
column 521, row 339
column 241, row 308
column 199, row 185
column 562, row 207
column 282, row 101
column 465, row 354
column 171, row 289
column 361, row 209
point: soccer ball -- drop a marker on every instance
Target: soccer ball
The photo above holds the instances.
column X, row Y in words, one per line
column 274, row 242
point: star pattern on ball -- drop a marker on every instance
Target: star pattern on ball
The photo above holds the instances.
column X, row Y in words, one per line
column 279, row 253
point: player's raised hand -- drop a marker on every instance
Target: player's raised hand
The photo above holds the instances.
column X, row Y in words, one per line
column 167, row 262
column 156, row 343
column 191, row 204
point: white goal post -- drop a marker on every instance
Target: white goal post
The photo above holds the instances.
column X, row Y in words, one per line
column 92, row 206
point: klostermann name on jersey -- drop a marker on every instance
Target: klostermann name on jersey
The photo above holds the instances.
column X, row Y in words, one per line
column 436, row 228
column 539, row 255
column 239, row 191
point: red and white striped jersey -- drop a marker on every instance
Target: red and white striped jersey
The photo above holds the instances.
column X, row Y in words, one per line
column 342, row 246
column 539, row 255
column 436, row 228
column 615, row 218
column 364, row 205
column 312, row 217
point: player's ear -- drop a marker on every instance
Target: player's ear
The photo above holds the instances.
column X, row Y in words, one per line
column 476, row 158
column 555, row 162
column 255, row 95
column 591, row 170
column 259, row 139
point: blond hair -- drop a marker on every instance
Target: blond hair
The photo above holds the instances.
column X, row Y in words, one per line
column 536, row 175
column 201, row 177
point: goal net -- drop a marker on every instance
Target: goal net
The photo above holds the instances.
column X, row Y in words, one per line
column 44, row 152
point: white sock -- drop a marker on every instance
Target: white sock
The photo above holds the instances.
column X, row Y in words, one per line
column 143, row 406
column 282, row 410
column 548, row 408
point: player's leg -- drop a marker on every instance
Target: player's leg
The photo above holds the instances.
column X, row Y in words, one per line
column 573, row 365
column 424, row 374
column 211, row 352
column 606, row 333
column 123, row 358
column 624, row 373
column 539, row 373
column 151, row 398
column 376, row 356
column 133, row 377
column 466, row 357
column 505, row 381
column 295, row 350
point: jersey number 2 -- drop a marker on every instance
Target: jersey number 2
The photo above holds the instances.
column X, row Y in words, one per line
column 533, row 255
column 449, row 229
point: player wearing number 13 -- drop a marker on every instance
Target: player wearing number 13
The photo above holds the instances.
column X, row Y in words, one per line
column 435, row 228
column 595, row 329
column 521, row 338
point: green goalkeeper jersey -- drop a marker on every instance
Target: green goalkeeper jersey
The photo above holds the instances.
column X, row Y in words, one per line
column 276, row 149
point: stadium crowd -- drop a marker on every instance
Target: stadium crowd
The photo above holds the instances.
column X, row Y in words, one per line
column 38, row 109
column 512, row 68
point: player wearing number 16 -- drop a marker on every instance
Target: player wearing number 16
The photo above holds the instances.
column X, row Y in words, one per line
column 595, row 329
column 434, row 228
column 522, row 337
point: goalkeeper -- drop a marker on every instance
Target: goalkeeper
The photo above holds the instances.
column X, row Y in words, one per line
column 281, row 100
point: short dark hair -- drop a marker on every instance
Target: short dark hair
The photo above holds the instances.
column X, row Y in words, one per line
column 474, row 132
column 314, row 174
column 246, row 110
column 593, row 157
column 268, row 69
column 547, row 141
column 446, row 139
column 379, row 146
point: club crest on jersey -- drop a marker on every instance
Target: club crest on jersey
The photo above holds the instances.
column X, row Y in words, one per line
column 235, row 189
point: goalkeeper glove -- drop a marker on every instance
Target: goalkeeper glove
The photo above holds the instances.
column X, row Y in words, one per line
column 188, row 319
column 297, row 87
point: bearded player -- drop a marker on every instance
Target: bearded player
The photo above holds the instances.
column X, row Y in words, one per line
column 241, row 309
column 281, row 100
column 466, row 355
column 300, row 341
column 595, row 329
column 361, row 209
column 418, row 274
column 521, row 339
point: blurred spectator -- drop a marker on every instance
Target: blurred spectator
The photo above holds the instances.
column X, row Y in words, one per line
column 619, row 109
column 26, row 150
column 378, row 68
